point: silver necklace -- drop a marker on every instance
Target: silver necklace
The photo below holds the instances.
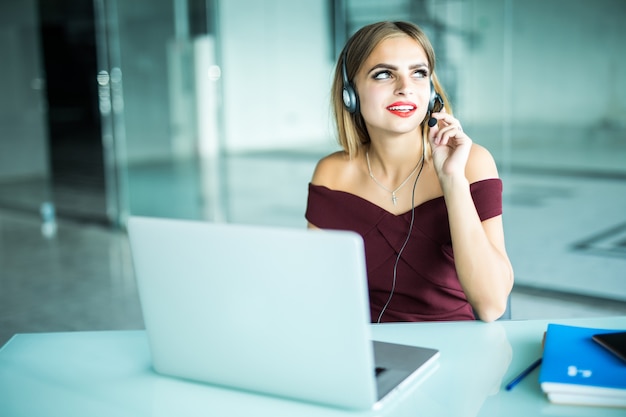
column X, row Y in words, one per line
column 394, row 199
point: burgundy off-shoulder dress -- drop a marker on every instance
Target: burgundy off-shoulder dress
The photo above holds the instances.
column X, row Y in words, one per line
column 427, row 285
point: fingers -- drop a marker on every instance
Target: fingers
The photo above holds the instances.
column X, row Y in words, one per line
column 447, row 127
column 446, row 133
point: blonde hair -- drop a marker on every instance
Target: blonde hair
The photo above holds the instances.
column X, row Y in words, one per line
column 351, row 129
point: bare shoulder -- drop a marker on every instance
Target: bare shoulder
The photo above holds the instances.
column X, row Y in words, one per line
column 480, row 165
column 333, row 170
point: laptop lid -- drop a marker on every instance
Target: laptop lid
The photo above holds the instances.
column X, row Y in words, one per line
column 272, row 310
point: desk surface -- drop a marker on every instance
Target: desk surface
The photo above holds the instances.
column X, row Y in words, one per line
column 109, row 374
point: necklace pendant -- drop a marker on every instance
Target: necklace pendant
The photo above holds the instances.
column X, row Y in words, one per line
column 394, row 199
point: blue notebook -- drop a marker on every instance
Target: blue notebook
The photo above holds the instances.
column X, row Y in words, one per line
column 577, row 370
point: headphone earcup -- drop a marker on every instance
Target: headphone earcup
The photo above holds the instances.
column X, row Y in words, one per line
column 433, row 97
column 350, row 99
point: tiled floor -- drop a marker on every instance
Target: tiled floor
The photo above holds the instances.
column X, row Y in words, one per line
column 569, row 246
column 82, row 279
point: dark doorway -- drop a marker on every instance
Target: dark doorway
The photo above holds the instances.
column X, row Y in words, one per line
column 77, row 170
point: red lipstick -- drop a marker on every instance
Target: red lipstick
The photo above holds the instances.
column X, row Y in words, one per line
column 402, row 108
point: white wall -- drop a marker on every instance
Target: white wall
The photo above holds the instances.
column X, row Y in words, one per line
column 276, row 69
column 566, row 61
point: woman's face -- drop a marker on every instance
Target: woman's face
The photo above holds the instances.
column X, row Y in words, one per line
column 393, row 85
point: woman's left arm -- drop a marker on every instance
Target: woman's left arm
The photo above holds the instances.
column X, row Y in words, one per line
column 482, row 264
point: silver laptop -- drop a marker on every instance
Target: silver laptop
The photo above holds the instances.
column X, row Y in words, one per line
column 271, row 310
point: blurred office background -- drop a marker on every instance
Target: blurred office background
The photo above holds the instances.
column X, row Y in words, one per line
column 218, row 110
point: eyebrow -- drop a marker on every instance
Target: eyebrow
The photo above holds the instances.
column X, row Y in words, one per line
column 395, row 68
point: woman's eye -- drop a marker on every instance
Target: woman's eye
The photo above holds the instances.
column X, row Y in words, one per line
column 382, row 75
column 386, row 74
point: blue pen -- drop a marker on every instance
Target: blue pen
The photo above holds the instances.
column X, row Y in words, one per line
column 523, row 375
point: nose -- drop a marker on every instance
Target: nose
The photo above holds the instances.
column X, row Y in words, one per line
column 403, row 86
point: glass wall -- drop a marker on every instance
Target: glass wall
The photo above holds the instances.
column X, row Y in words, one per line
column 220, row 111
column 24, row 163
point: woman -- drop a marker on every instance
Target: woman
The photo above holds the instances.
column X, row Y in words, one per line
column 427, row 201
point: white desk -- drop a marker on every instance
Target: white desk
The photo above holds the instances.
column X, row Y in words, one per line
column 109, row 374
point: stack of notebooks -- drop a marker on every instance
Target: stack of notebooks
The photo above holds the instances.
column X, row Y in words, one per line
column 584, row 366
